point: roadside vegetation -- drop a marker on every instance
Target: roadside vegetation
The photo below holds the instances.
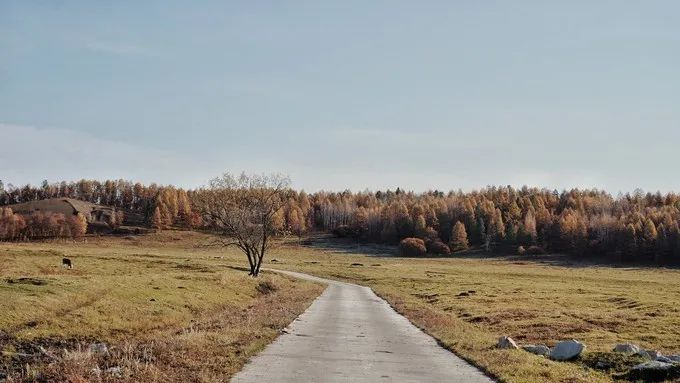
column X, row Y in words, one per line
column 155, row 308
column 467, row 302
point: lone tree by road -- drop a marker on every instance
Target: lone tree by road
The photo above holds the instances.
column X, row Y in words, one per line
column 242, row 210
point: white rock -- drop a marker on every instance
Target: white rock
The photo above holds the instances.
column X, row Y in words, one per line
column 627, row 348
column 539, row 349
column 566, row 350
column 506, row 342
column 651, row 354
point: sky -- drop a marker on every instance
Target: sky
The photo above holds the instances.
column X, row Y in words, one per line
column 350, row 94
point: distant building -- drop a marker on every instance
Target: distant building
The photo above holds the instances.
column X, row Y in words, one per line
column 98, row 217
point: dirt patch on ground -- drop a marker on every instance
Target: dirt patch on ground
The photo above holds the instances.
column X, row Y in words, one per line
column 538, row 333
column 499, row 317
column 200, row 269
column 624, row 303
column 612, row 325
column 429, row 298
column 27, row 281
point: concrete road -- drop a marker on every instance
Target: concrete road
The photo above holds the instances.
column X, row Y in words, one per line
column 349, row 334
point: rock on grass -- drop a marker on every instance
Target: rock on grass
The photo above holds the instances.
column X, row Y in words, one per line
column 654, row 371
column 627, row 348
column 505, row 342
column 539, row 349
column 612, row 362
column 567, row 350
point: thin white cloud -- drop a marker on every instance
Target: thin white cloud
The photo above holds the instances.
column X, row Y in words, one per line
column 32, row 154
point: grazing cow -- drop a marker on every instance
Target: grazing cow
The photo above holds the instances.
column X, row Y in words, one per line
column 66, row 263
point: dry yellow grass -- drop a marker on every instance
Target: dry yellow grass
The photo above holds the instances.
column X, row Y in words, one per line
column 195, row 329
column 173, row 311
column 468, row 303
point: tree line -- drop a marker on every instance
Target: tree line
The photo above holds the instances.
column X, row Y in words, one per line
column 157, row 205
column 637, row 227
column 40, row 225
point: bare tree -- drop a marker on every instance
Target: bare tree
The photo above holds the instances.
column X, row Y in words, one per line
column 242, row 210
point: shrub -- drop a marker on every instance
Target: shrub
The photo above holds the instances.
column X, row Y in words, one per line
column 438, row 247
column 344, row 231
column 11, row 225
column 77, row 225
column 266, row 287
column 412, row 247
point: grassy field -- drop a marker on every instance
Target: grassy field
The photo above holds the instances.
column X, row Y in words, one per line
column 173, row 310
column 467, row 303
column 168, row 309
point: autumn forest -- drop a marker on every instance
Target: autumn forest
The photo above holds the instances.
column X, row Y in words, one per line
column 638, row 227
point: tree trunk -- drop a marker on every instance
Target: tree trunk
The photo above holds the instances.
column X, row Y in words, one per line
column 258, row 265
column 260, row 256
column 251, row 262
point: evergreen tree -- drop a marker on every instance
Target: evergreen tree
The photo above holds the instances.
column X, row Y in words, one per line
column 388, row 234
column 663, row 249
column 511, row 233
column 166, row 216
column 649, row 234
column 480, row 229
column 157, row 221
column 360, row 222
column 673, row 243
column 459, row 238
column 580, row 237
column 514, row 212
column 628, row 243
column 184, row 206
column 530, row 226
column 498, row 225
column 296, row 222
column 495, row 231
column 420, row 227
column 278, row 221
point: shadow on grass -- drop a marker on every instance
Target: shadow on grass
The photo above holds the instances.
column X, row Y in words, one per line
column 327, row 242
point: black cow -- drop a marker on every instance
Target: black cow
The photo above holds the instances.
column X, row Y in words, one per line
column 66, row 263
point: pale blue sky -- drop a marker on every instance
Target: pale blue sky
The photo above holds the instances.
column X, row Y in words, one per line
column 343, row 94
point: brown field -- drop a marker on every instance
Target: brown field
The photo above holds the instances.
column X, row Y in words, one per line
column 168, row 309
column 176, row 311
column 467, row 303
